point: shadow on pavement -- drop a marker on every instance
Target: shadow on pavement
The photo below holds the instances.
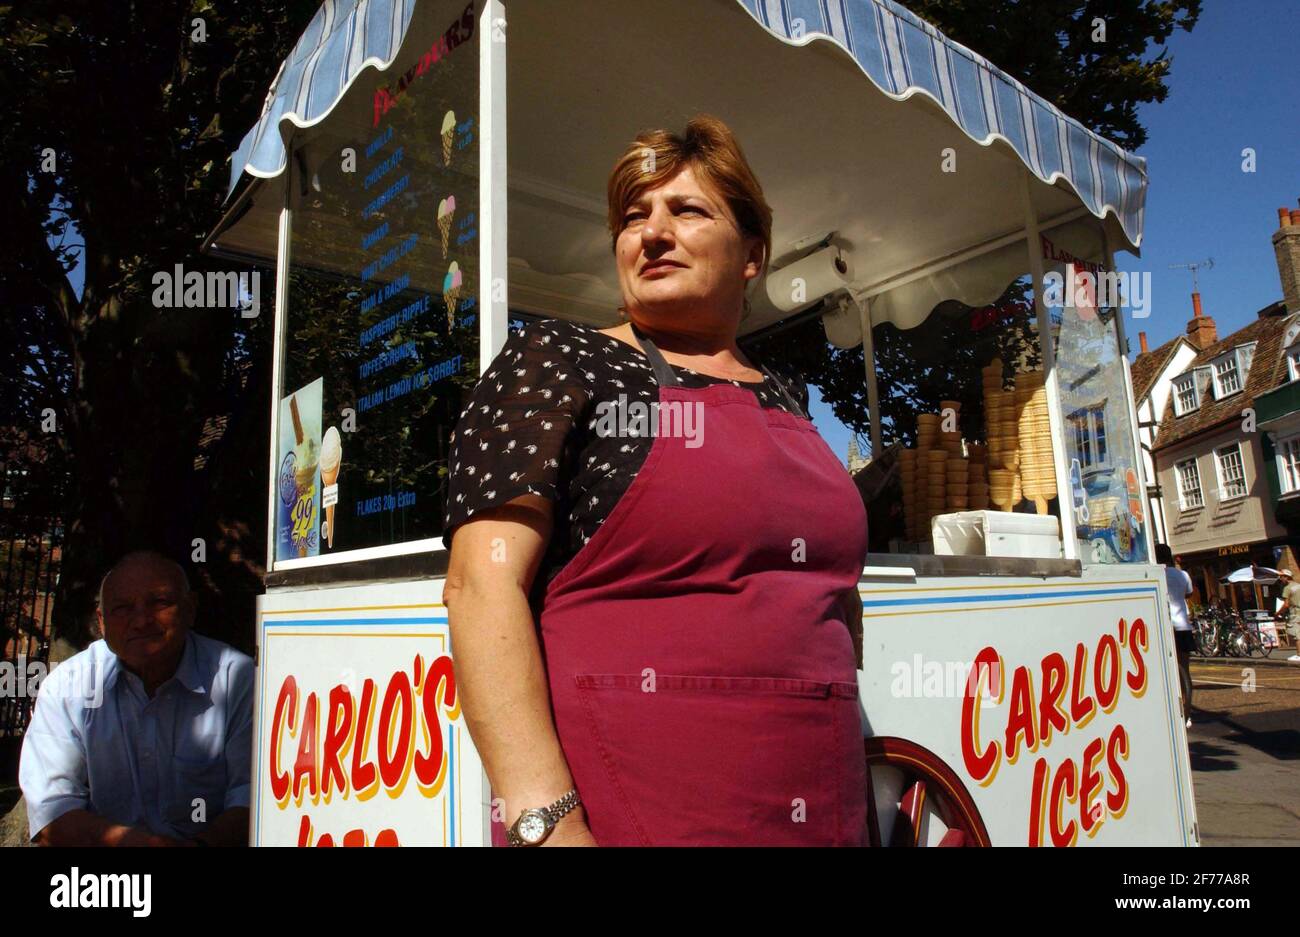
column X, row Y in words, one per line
column 1270, row 733
column 1207, row 756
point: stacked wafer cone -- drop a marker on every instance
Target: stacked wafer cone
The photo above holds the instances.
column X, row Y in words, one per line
column 1037, row 468
column 927, row 441
column 958, row 481
column 950, row 416
column 977, row 479
column 1002, row 488
column 907, row 477
column 936, row 487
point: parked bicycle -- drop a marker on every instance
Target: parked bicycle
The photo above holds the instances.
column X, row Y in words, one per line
column 1222, row 632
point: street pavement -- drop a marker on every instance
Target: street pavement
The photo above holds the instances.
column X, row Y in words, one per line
column 1245, row 750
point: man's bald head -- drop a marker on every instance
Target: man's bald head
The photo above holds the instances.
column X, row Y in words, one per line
column 146, row 611
column 151, row 559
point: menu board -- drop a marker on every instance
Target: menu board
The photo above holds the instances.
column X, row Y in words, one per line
column 382, row 319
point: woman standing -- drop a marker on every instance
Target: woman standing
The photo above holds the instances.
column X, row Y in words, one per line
column 697, row 602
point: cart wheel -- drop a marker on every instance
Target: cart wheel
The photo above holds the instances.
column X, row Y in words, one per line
column 914, row 799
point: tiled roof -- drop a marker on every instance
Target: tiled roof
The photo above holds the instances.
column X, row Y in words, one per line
column 1147, row 367
column 1267, row 370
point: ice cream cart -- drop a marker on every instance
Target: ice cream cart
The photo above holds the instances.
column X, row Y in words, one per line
column 425, row 173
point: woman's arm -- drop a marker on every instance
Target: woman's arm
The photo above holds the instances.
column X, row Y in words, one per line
column 499, row 668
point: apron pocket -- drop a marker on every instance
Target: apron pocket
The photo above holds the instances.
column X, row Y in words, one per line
column 707, row 760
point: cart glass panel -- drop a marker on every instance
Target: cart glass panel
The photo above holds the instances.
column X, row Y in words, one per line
column 964, row 424
column 381, row 331
column 1107, row 499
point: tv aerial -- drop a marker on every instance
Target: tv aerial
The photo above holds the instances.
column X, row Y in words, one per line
column 1206, row 264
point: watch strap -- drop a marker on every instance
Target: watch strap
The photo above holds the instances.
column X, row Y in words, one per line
column 554, row 813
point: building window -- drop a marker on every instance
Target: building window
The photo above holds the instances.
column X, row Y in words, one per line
column 1088, row 428
column 1226, row 377
column 1288, row 464
column 1185, row 399
column 1245, row 355
column 1232, row 475
column 1189, row 485
column 1293, row 363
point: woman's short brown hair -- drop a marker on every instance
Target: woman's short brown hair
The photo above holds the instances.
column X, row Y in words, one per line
column 709, row 147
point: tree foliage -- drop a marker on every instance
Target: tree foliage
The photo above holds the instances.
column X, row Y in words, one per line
column 116, row 168
column 1097, row 76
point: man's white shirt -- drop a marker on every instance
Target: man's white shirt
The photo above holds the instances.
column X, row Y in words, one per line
column 171, row 764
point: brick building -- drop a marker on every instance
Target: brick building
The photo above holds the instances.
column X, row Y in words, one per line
column 1208, row 457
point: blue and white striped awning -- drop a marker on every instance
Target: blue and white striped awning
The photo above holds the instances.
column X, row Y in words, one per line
column 903, row 56
column 343, row 37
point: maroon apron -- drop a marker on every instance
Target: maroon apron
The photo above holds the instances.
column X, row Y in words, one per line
column 701, row 674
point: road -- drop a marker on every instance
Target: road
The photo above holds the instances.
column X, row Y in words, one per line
column 1245, row 749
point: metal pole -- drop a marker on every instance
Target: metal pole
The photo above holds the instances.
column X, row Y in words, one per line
column 869, row 364
column 493, row 290
column 279, row 328
column 1063, row 500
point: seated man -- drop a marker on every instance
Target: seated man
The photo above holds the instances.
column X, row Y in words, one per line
column 145, row 737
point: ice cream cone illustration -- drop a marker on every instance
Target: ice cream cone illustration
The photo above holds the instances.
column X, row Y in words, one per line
column 448, row 134
column 306, row 459
column 446, row 214
column 451, row 285
column 331, row 460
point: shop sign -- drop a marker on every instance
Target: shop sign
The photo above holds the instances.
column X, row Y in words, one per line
column 1235, row 549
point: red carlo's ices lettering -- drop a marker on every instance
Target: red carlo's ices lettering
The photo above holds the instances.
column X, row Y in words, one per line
column 1075, row 797
column 307, row 836
column 406, row 738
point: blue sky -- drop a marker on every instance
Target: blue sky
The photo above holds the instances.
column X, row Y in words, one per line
column 1234, row 83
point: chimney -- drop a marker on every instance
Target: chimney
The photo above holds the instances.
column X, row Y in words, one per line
column 1286, row 244
column 1142, row 341
column 1200, row 329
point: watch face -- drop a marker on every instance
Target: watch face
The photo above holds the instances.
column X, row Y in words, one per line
column 532, row 826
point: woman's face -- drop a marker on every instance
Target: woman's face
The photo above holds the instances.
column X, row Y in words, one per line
column 682, row 257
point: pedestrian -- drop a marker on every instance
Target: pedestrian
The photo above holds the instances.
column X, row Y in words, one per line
column 1179, row 585
column 1290, row 610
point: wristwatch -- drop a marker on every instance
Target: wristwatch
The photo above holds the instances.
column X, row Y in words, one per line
column 535, row 824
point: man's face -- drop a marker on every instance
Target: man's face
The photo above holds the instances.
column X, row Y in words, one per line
column 146, row 614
